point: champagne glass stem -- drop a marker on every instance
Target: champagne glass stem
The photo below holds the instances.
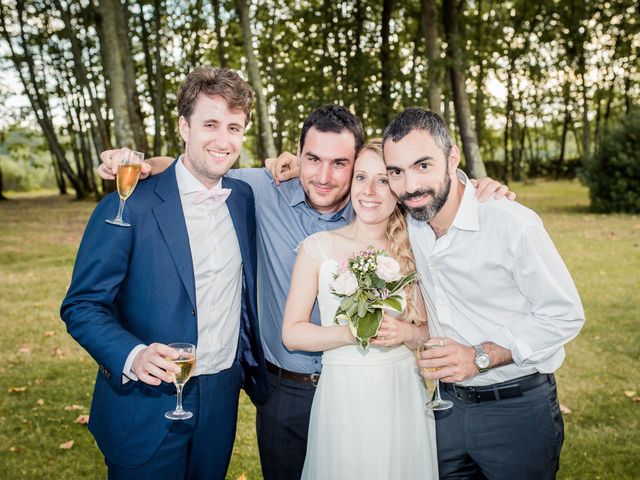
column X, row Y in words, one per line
column 438, row 397
column 120, row 209
column 179, row 400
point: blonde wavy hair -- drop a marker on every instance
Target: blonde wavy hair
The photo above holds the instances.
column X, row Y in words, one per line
column 399, row 245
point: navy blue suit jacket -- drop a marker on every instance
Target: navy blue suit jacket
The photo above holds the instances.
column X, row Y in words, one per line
column 136, row 285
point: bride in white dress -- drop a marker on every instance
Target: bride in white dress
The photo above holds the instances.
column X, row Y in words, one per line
column 368, row 419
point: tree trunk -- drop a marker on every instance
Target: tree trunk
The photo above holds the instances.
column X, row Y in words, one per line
column 386, row 102
column 159, row 82
column 563, row 140
column 266, row 147
column 222, row 58
column 36, row 99
column 586, row 134
column 136, row 117
column 356, row 60
column 114, row 72
column 429, row 23
column 2, row 197
column 474, row 165
column 479, row 113
column 81, row 78
column 62, row 186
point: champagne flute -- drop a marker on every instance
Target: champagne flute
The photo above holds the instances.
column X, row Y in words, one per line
column 127, row 178
column 186, row 361
column 437, row 403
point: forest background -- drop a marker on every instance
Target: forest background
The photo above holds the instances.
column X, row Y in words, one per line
column 543, row 95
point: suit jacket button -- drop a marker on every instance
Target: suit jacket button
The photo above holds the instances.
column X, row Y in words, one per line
column 193, row 312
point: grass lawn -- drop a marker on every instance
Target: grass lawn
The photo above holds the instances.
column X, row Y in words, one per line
column 46, row 379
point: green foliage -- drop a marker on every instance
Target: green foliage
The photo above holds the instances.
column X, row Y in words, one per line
column 613, row 174
column 25, row 161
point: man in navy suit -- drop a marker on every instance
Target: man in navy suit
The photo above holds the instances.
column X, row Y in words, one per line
column 184, row 272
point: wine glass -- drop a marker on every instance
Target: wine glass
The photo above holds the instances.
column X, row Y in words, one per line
column 186, row 361
column 437, row 403
column 127, row 178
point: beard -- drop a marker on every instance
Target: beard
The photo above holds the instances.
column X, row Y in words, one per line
column 426, row 212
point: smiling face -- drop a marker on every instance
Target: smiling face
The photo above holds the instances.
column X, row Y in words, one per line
column 213, row 138
column 419, row 173
column 326, row 166
column 372, row 199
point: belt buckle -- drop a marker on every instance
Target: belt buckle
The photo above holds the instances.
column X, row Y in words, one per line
column 315, row 378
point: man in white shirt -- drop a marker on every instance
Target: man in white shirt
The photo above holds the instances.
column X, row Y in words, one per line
column 500, row 299
column 185, row 271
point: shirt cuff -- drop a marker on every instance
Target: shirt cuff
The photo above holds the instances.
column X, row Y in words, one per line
column 520, row 350
column 127, row 373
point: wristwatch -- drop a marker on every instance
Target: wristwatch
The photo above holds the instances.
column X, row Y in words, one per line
column 482, row 359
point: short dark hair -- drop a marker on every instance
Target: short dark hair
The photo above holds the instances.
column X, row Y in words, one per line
column 215, row 81
column 335, row 119
column 417, row 118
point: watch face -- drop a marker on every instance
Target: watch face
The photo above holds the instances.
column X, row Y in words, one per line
column 483, row 361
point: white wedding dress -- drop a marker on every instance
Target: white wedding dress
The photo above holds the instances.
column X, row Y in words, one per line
column 368, row 419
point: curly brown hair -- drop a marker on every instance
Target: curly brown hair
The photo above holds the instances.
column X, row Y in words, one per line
column 215, row 81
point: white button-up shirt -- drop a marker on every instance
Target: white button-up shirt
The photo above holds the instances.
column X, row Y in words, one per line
column 496, row 276
column 217, row 267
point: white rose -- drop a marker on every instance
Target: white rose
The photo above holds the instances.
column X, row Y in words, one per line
column 345, row 284
column 388, row 269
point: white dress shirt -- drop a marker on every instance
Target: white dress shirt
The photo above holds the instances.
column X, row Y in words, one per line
column 217, row 266
column 496, row 276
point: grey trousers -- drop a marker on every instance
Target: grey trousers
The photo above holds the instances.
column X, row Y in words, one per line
column 514, row 438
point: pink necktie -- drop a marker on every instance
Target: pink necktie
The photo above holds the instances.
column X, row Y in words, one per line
column 218, row 195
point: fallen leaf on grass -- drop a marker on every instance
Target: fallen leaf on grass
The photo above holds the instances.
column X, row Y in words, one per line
column 16, row 449
column 16, row 389
column 66, row 445
column 635, row 399
column 40, row 402
column 73, row 408
column 24, row 349
column 630, row 393
column 82, row 420
column 565, row 410
column 242, row 477
column 49, row 333
column 2, row 370
column 38, row 381
column 58, row 352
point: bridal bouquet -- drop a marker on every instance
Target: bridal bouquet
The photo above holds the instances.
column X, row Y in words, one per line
column 368, row 282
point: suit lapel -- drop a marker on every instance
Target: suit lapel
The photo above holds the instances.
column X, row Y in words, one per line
column 170, row 218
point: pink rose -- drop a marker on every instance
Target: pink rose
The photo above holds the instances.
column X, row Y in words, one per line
column 388, row 269
column 345, row 284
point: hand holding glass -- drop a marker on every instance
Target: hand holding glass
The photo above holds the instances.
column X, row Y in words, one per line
column 437, row 403
column 127, row 178
column 187, row 362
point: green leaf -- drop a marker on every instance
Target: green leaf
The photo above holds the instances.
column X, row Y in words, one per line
column 368, row 325
column 347, row 302
column 362, row 307
column 393, row 303
column 397, row 285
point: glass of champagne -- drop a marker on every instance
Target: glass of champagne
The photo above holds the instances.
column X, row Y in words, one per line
column 186, row 361
column 127, row 178
column 437, row 403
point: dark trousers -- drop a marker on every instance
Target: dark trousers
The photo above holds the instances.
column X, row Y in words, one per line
column 198, row 448
column 514, row 438
column 282, row 425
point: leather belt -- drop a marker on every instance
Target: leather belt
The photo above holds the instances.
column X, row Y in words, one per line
column 499, row 391
column 309, row 378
